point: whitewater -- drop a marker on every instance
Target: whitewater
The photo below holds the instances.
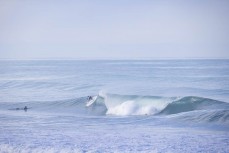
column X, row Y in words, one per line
column 141, row 106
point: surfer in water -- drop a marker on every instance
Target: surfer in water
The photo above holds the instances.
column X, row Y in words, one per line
column 25, row 108
column 89, row 98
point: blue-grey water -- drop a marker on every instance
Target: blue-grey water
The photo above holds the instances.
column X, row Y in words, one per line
column 141, row 106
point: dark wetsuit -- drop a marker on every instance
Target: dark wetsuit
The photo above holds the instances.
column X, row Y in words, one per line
column 89, row 98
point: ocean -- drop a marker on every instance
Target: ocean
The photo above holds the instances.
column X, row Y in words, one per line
column 159, row 106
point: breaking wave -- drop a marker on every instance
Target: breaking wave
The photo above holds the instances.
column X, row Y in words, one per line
column 185, row 108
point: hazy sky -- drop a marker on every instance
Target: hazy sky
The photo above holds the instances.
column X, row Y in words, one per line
column 119, row 29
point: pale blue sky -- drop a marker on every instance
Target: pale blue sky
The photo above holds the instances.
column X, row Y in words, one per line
column 118, row 29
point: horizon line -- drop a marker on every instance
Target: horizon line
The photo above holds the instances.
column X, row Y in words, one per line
column 115, row 59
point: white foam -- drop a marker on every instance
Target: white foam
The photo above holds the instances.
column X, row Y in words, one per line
column 132, row 108
column 134, row 105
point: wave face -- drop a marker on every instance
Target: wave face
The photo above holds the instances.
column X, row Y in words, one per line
column 197, row 109
column 191, row 103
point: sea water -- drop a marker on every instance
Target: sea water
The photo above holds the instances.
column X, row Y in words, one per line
column 141, row 106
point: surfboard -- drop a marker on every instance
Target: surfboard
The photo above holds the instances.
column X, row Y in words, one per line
column 90, row 102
